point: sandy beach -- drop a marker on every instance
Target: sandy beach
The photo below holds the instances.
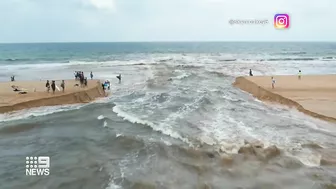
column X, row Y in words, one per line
column 314, row 95
column 37, row 94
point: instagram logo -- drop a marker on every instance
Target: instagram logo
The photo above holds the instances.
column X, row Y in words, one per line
column 281, row 21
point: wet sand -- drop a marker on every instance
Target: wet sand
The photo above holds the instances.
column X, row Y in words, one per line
column 37, row 94
column 314, row 95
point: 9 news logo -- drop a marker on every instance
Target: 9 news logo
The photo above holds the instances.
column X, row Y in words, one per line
column 38, row 166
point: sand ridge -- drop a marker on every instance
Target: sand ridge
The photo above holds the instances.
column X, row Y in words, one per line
column 314, row 95
column 37, row 94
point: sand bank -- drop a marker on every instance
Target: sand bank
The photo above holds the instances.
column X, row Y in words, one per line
column 314, row 95
column 37, row 94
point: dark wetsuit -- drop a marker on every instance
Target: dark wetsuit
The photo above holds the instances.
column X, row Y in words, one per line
column 119, row 77
column 53, row 86
column 63, row 86
column 251, row 73
column 48, row 86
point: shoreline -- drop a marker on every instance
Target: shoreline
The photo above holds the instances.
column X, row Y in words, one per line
column 38, row 97
column 291, row 95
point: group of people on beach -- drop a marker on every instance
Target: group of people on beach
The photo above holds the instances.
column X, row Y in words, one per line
column 79, row 75
column 53, row 86
column 273, row 79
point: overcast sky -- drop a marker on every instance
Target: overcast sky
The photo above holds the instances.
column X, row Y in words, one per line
column 163, row 20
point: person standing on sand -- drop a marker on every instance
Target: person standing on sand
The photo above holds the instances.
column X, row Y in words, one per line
column 48, row 86
column 273, row 82
column 299, row 75
column 85, row 82
column 81, row 80
column 53, row 86
column 91, row 75
column 251, row 73
column 63, row 85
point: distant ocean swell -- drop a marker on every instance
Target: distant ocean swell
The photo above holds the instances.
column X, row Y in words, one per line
column 280, row 57
column 178, row 62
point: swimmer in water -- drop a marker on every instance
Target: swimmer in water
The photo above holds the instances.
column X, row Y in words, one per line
column 119, row 77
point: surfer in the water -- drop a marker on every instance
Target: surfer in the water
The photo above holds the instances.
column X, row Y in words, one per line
column 119, row 77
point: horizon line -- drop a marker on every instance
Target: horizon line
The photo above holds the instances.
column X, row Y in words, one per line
column 168, row 42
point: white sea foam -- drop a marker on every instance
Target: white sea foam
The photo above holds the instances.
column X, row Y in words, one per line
column 31, row 66
column 130, row 118
column 306, row 156
column 207, row 140
column 112, row 185
column 182, row 76
column 166, row 142
column 35, row 112
column 100, row 117
column 112, row 63
column 44, row 110
column 162, row 127
column 75, row 64
column 231, row 147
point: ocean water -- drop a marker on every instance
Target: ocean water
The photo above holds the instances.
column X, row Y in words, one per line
column 170, row 120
